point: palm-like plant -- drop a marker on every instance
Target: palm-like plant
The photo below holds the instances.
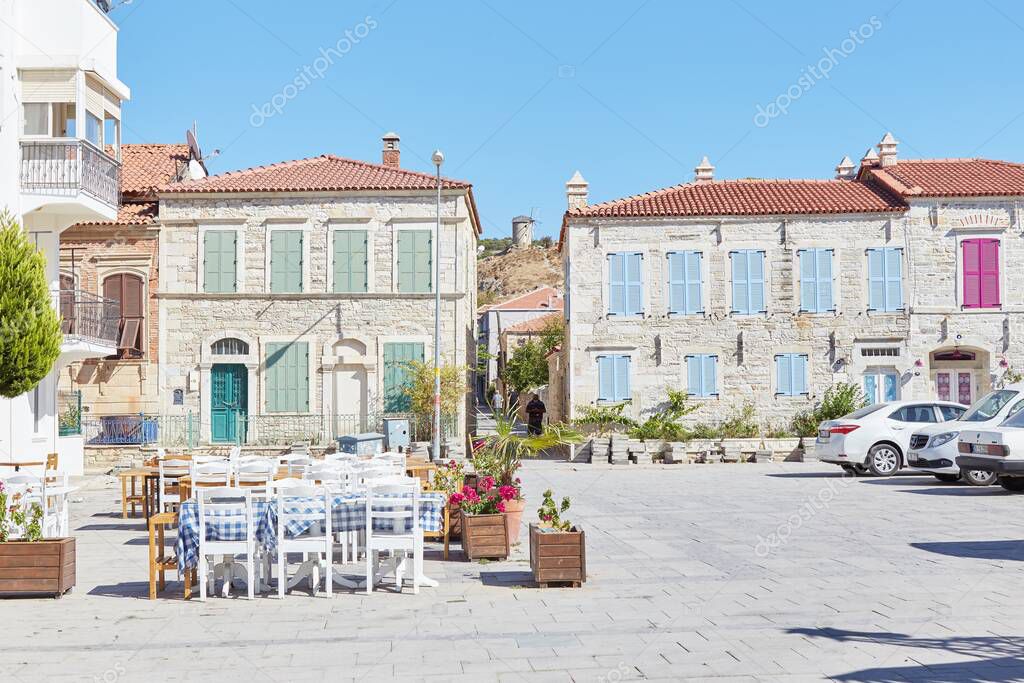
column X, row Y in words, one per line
column 503, row 452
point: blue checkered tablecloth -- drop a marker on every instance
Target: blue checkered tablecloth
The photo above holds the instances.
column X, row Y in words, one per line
column 348, row 513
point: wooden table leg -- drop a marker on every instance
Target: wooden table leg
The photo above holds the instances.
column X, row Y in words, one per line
column 124, row 497
column 152, row 561
column 447, row 530
column 147, row 511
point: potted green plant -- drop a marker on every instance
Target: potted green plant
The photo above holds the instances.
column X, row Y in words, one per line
column 502, row 455
column 30, row 564
column 558, row 550
column 450, row 478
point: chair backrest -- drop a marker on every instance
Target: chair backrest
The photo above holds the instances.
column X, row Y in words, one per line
column 397, row 502
column 173, row 467
column 52, row 460
column 303, row 503
column 228, row 505
column 256, row 474
column 217, row 474
column 335, row 475
column 295, row 462
column 286, row 484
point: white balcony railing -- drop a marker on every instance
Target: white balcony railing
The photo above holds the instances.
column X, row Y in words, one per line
column 66, row 167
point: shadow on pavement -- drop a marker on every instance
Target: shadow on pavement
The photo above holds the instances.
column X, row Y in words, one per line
column 984, row 550
column 991, row 658
column 509, row 579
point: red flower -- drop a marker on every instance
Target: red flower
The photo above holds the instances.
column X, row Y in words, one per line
column 457, row 499
column 508, row 492
column 501, row 506
column 486, row 483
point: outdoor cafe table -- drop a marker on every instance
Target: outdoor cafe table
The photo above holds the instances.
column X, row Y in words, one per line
column 348, row 513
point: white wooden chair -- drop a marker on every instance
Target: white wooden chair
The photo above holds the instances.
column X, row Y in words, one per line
column 350, row 458
column 255, row 475
column 213, row 473
column 295, row 462
column 315, row 543
column 225, row 505
column 30, row 490
column 383, row 503
column 170, row 471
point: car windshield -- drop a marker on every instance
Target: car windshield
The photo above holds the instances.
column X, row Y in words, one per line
column 988, row 406
column 863, row 412
column 1016, row 421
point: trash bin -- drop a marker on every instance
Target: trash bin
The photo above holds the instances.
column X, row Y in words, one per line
column 369, row 443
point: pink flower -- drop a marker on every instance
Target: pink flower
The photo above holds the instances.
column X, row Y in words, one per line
column 501, row 506
column 457, row 499
column 546, row 518
column 508, row 492
column 486, row 483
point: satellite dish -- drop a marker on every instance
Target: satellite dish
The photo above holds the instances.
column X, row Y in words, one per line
column 193, row 145
column 104, row 5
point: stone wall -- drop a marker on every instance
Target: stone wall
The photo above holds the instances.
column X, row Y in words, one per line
column 746, row 345
column 343, row 330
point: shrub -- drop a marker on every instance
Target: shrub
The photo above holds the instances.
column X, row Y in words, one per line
column 30, row 334
column 839, row 399
column 664, row 424
column 604, row 419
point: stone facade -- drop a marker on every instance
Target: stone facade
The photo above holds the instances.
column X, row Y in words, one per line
column 932, row 335
column 346, row 333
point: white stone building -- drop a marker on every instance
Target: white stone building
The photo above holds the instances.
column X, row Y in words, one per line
column 903, row 276
column 292, row 295
column 60, row 136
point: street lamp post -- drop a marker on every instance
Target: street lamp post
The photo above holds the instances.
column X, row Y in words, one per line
column 435, row 455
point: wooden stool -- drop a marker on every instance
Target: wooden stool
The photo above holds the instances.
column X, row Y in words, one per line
column 159, row 561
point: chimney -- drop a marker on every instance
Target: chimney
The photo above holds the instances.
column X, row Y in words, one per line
column 887, row 150
column 845, row 170
column 391, row 156
column 870, row 158
column 704, row 172
column 576, row 191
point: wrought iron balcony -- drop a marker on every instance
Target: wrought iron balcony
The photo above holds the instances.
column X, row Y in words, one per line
column 66, row 167
column 89, row 317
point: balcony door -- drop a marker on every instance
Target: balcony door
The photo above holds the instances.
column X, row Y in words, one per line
column 127, row 289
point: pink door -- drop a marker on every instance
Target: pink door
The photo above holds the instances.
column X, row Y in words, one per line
column 942, row 381
column 964, row 388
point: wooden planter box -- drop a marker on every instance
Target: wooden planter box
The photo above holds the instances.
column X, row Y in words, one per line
column 558, row 556
column 485, row 536
column 41, row 568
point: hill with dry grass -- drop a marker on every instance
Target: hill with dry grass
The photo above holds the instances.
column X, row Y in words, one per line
column 516, row 271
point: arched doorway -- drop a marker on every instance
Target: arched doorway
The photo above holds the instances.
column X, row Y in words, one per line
column 959, row 373
column 350, row 387
column 229, row 392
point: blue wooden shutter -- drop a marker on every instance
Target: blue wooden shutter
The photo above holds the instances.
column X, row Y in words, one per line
column 693, row 376
column 397, row 375
column 286, row 261
column 740, row 283
column 350, row 261
column 891, row 386
column 799, row 383
column 876, row 280
column 784, row 374
column 808, row 281
column 823, row 263
column 219, row 256
column 606, row 378
column 616, row 284
column 694, row 298
column 755, row 278
column 634, row 284
column 622, row 389
column 677, row 282
column 710, row 375
column 893, row 279
column 287, row 377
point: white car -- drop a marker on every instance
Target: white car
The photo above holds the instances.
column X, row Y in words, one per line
column 933, row 449
column 999, row 450
column 876, row 439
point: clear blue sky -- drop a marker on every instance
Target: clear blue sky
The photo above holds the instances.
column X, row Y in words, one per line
column 631, row 93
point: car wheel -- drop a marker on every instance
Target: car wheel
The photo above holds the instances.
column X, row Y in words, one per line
column 948, row 478
column 883, row 460
column 1015, row 484
column 978, row 477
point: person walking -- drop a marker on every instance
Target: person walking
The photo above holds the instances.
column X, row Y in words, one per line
column 535, row 410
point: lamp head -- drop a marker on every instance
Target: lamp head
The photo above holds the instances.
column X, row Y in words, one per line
column 437, row 157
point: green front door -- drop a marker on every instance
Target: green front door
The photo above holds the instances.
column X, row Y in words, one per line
column 229, row 401
column 398, row 374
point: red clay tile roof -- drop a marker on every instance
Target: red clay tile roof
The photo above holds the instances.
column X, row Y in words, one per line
column 533, row 325
column 144, row 168
column 327, row 173
column 752, row 198
column 134, row 213
column 540, row 298
column 951, row 177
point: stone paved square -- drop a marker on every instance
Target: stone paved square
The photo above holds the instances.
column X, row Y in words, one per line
column 779, row 572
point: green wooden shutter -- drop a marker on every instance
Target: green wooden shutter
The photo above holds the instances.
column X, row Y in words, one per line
column 287, row 377
column 219, row 266
column 397, row 374
column 350, row 261
column 415, row 261
column 285, row 261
